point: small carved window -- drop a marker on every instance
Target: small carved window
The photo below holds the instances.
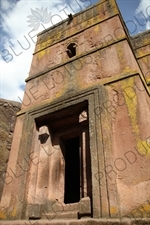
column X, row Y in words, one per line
column 71, row 50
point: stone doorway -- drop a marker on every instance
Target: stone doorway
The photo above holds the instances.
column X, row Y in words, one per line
column 68, row 159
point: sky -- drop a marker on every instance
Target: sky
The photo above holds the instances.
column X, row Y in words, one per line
column 19, row 25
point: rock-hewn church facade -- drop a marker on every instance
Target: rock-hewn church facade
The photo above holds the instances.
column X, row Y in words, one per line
column 81, row 146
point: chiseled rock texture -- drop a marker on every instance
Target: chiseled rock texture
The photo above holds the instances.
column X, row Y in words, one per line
column 81, row 146
column 8, row 110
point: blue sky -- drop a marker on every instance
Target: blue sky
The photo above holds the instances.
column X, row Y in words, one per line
column 15, row 30
column 136, row 14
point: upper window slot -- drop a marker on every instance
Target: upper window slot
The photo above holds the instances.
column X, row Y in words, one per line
column 71, row 50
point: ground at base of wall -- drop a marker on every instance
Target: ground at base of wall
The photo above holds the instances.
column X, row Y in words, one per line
column 125, row 221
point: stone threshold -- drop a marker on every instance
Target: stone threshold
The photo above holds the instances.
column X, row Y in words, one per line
column 89, row 221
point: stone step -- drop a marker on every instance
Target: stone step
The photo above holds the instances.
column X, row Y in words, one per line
column 66, row 215
column 89, row 221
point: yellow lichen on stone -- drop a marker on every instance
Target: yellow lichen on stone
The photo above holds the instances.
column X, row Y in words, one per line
column 148, row 80
column 113, row 6
column 139, row 53
column 13, row 213
column 143, row 148
column 127, row 70
column 41, row 54
column 146, row 60
column 2, row 215
column 146, row 41
column 143, row 210
column 45, row 44
column 131, row 102
column 120, row 53
column 60, row 92
column 113, row 210
column 146, row 208
column 96, row 29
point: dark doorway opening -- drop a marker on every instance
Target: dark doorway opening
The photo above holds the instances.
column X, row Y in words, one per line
column 72, row 170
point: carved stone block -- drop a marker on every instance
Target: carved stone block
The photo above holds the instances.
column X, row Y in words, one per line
column 85, row 206
column 35, row 211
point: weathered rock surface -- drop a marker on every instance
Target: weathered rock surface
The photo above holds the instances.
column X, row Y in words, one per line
column 81, row 145
column 8, row 110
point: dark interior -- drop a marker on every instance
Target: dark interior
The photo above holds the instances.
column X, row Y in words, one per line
column 71, row 50
column 72, row 171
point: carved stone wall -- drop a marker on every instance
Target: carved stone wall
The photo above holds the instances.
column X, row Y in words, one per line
column 108, row 79
column 8, row 110
column 141, row 46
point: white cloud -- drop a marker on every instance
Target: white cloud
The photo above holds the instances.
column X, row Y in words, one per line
column 5, row 5
column 143, row 12
column 13, row 75
column 14, row 18
column 144, row 7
